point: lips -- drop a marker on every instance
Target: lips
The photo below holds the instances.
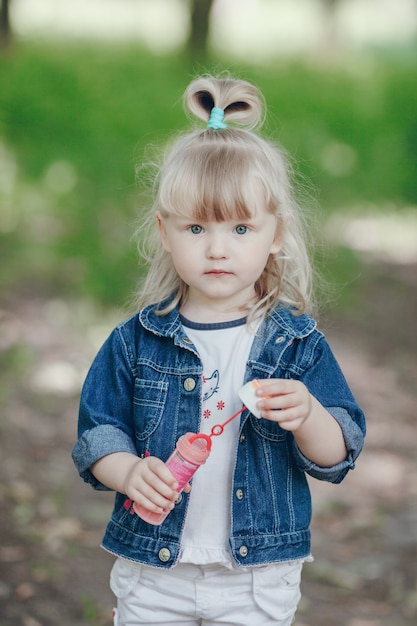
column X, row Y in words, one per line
column 218, row 273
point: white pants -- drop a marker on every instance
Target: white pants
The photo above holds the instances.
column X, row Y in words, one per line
column 205, row 595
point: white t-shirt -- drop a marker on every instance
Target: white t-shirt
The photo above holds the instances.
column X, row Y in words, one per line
column 224, row 350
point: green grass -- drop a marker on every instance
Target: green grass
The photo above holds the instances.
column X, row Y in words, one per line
column 93, row 110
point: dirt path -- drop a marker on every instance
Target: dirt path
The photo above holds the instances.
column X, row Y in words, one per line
column 364, row 531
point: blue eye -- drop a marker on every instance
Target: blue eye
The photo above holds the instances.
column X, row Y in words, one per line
column 195, row 229
column 241, row 229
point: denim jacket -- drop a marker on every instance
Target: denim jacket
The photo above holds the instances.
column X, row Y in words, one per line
column 144, row 390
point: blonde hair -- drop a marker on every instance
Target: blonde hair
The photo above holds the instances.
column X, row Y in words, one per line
column 219, row 175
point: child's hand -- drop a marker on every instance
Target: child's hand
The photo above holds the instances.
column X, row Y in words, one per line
column 287, row 402
column 150, row 483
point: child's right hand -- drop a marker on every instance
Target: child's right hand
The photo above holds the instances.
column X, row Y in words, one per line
column 150, row 484
column 146, row 481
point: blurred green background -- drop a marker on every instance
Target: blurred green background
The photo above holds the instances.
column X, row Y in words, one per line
column 76, row 117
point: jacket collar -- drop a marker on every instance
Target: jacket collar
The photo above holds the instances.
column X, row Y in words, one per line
column 297, row 326
column 281, row 319
column 168, row 325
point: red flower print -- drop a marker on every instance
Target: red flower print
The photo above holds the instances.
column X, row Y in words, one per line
column 206, row 414
column 220, row 405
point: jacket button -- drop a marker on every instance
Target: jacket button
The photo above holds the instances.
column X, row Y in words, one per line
column 243, row 551
column 242, row 438
column 189, row 384
column 179, row 498
column 239, row 494
column 279, row 339
column 164, row 555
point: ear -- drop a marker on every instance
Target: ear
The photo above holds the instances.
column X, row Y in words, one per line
column 162, row 232
column 279, row 235
column 276, row 243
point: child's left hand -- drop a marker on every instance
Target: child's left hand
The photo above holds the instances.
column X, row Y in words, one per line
column 287, row 402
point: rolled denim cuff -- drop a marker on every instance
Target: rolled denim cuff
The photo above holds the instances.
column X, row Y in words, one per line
column 96, row 443
column 354, row 439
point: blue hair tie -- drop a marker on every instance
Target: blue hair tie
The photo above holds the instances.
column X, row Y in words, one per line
column 216, row 119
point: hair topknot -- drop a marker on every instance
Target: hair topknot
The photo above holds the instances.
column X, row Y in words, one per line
column 241, row 102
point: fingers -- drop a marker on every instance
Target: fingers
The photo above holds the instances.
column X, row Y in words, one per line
column 152, row 485
column 287, row 402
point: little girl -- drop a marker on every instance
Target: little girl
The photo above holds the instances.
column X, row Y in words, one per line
column 226, row 300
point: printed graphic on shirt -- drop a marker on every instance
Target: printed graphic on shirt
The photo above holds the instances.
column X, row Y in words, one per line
column 211, row 386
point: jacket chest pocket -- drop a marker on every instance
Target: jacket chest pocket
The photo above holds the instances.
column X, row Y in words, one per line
column 149, row 402
column 268, row 430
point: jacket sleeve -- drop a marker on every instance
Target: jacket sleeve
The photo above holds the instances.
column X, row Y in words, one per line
column 326, row 382
column 105, row 422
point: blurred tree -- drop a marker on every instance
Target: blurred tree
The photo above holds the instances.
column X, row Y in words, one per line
column 330, row 31
column 200, row 26
column 5, row 31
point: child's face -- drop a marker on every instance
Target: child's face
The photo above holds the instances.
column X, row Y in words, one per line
column 220, row 261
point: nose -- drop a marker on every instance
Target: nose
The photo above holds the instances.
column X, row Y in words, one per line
column 216, row 247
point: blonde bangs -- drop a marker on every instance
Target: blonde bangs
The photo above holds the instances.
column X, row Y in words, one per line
column 212, row 183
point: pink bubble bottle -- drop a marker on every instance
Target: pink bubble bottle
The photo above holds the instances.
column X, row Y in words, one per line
column 191, row 451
